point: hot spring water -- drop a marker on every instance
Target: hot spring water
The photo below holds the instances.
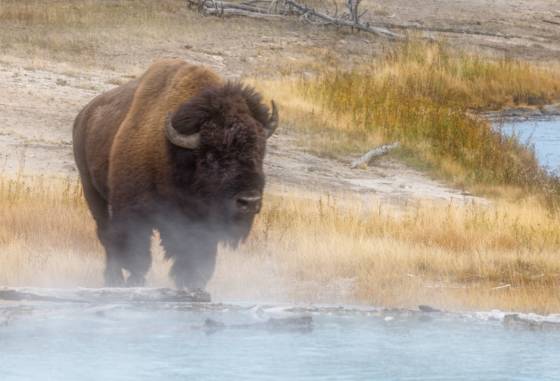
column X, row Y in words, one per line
column 544, row 135
column 86, row 337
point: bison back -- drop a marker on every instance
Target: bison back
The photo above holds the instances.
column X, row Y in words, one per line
column 94, row 130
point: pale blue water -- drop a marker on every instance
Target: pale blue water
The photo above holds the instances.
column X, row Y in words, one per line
column 169, row 341
column 544, row 135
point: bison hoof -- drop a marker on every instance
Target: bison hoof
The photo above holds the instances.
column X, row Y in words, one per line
column 114, row 278
column 135, row 281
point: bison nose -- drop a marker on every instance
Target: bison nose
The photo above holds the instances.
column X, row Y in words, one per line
column 249, row 202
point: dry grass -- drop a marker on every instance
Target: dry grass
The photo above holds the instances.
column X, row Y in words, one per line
column 439, row 254
column 420, row 94
column 316, row 251
column 424, row 95
column 86, row 32
column 46, row 237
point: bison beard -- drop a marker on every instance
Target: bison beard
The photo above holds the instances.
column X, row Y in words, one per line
column 178, row 150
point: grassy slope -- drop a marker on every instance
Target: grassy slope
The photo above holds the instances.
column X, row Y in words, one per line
column 425, row 95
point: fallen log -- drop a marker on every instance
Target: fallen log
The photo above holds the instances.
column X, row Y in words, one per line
column 239, row 12
column 279, row 9
column 243, row 7
column 306, row 11
column 373, row 153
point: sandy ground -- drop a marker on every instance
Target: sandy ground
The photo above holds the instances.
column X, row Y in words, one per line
column 40, row 96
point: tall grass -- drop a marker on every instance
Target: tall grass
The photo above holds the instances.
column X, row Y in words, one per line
column 449, row 255
column 424, row 96
column 46, row 234
column 314, row 250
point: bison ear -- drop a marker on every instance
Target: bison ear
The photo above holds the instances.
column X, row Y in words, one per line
column 188, row 141
column 273, row 119
column 183, row 126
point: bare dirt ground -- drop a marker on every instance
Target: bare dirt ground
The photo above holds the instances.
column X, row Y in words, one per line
column 41, row 93
column 519, row 28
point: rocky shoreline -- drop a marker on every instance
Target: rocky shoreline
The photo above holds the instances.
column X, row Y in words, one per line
column 522, row 114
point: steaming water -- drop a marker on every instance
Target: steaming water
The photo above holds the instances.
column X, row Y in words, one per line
column 150, row 340
column 544, row 135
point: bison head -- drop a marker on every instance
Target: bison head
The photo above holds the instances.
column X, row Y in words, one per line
column 217, row 142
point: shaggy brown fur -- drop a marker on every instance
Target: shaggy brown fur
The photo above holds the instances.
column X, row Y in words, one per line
column 135, row 180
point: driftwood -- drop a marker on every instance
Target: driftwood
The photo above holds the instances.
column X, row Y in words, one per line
column 372, row 154
column 268, row 9
column 339, row 21
column 239, row 12
column 224, row 8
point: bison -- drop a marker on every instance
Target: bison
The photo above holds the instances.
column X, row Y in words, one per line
column 178, row 150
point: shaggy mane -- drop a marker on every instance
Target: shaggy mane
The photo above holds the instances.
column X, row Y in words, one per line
column 213, row 102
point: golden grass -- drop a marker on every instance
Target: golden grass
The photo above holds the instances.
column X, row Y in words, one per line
column 46, row 237
column 421, row 94
column 304, row 250
column 425, row 96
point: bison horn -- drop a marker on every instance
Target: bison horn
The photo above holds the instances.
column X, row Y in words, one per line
column 184, row 141
column 272, row 121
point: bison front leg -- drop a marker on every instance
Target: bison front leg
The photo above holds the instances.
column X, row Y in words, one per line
column 128, row 247
column 194, row 254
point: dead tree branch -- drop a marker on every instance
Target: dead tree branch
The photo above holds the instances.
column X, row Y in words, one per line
column 353, row 5
column 283, row 8
column 372, row 154
column 240, row 12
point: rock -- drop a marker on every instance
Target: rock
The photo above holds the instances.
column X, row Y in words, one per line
column 551, row 109
column 428, row 309
column 211, row 325
column 517, row 322
column 301, row 324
